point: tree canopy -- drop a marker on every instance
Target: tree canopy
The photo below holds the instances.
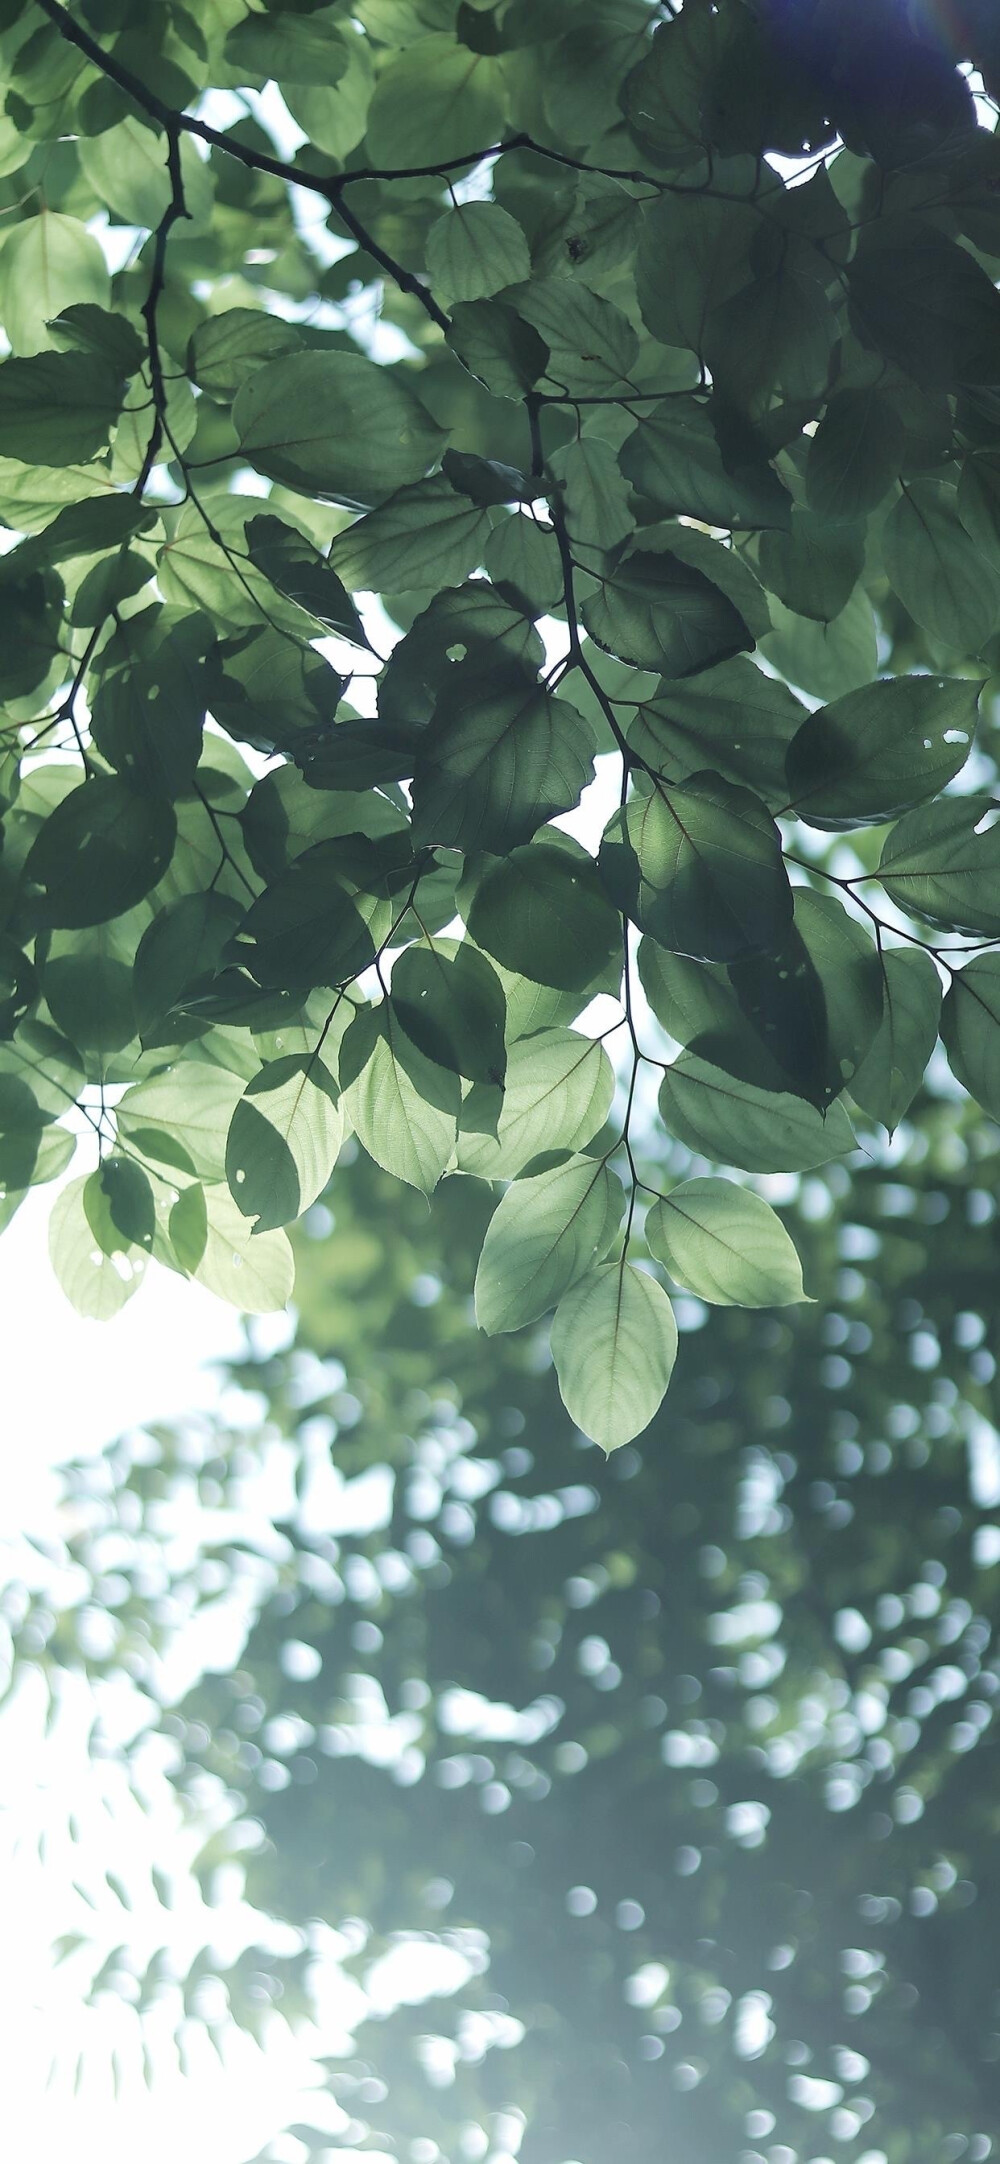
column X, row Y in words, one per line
column 463, row 393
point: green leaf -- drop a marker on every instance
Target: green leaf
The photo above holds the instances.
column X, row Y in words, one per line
column 450, row 1003
column 433, row 102
column 724, row 1244
column 182, row 1118
column 595, row 493
column 825, row 659
column 880, row 750
column 502, row 756
column 970, row 1027
column 693, row 254
column 188, row 1227
column 303, row 576
column 254, row 1271
column 547, row 1232
column 424, row 535
column 334, row 425
column 732, row 1122
column 660, row 613
column 181, row 952
column 333, row 115
column 938, row 863
column 936, row 569
column 96, row 1284
column 978, row 501
column 79, row 529
column 496, row 344
column 273, row 691
column 892, row 1069
column 127, row 168
column 307, row 928
column 700, row 868
column 924, row 303
column 149, row 704
column 284, row 1140
column 288, row 48
column 89, row 329
column 48, row 263
column 815, row 1003
column 774, row 334
column 98, row 853
column 731, row 717
column 87, row 981
column 403, row 1107
column 545, row 914
column 855, row 454
column 57, row 408
column 591, row 345
column 226, row 349
column 689, row 999
column 614, row 1343
column 523, row 555
column 813, row 568
column 673, row 457
column 662, row 98
column 474, row 251
column 21, row 1126
column 557, row 1095
column 118, row 1200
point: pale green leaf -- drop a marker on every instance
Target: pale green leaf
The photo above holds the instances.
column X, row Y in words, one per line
column 725, row 1244
column 614, row 1343
column 546, row 1233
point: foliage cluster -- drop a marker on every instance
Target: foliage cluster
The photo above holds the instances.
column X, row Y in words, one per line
column 645, row 449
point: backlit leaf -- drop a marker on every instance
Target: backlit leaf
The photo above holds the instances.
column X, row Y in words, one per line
column 725, row 1244
column 614, row 1343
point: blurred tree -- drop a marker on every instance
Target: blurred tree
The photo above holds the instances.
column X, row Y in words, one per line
column 691, row 1758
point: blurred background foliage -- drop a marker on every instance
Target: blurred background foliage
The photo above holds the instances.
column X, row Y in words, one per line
column 673, row 1776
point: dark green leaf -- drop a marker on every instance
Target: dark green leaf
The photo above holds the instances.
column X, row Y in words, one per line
column 56, row 408
column 502, row 756
column 99, row 853
column 424, row 535
column 303, row 576
column 496, row 344
column 544, row 913
column 925, row 304
column 700, row 868
column 855, row 455
column 180, row 952
column 673, row 457
column 118, row 1200
column 732, row 718
column 814, row 568
column 880, row 750
column 970, row 1026
column 731, row 1122
column 936, row 569
column 661, row 613
column 283, row 1141
column 892, row 1070
column 451, row 1005
column 944, row 862
column 334, row 425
